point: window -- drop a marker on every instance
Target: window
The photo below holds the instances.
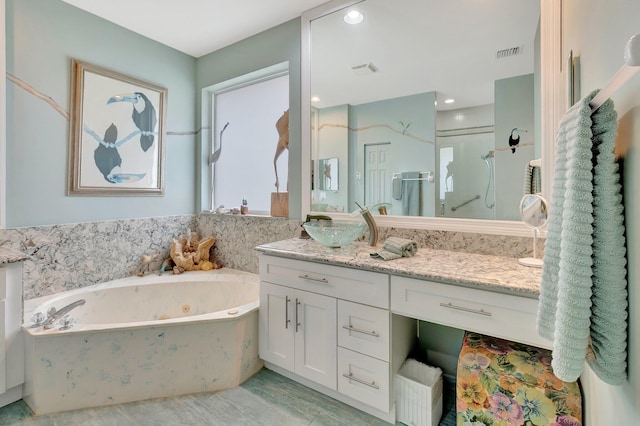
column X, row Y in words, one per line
column 242, row 152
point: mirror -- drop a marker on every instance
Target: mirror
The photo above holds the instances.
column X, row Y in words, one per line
column 534, row 212
column 328, row 179
column 380, row 104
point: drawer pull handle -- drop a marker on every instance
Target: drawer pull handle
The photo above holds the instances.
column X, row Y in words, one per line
column 319, row 280
column 357, row 330
column 462, row 308
column 350, row 376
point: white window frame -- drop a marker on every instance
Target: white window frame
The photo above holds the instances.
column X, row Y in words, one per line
column 208, row 133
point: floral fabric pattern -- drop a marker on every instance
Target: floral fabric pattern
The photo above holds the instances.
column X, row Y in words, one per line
column 503, row 383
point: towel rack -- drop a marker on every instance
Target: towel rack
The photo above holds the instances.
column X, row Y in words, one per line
column 429, row 178
column 536, row 163
column 630, row 67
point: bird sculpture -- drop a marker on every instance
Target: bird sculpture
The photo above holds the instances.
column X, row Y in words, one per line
column 514, row 140
column 216, row 154
column 282, row 125
column 145, row 261
column 106, row 155
column 144, row 116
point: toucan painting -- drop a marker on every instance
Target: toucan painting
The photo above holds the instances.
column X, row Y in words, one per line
column 144, row 116
column 107, row 157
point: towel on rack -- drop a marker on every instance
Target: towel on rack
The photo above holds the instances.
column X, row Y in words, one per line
column 396, row 187
column 411, row 194
column 395, row 248
column 532, row 180
column 583, row 295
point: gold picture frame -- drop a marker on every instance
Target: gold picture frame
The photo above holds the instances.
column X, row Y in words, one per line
column 116, row 134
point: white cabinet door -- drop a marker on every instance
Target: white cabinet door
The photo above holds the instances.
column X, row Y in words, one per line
column 316, row 338
column 276, row 328
column 297, row 331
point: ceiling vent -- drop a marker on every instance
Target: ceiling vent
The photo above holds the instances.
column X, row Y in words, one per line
column 512, row 51
column 364, row 69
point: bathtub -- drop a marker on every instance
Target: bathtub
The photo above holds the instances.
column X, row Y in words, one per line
column 141, row 338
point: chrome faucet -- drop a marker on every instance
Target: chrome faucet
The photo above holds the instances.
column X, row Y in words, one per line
column 53, row 315
column 371, row 223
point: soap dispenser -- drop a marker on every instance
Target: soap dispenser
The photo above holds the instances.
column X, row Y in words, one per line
column 244, row 208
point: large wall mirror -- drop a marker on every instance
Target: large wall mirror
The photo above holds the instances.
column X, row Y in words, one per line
column 431, row 106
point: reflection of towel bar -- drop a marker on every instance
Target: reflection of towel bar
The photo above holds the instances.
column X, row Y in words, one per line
column 429, row 177
column 453, row 209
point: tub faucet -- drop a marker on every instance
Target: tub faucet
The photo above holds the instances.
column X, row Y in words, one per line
column 53, row 315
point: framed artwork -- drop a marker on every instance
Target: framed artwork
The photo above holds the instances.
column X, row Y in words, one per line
column 117, row 128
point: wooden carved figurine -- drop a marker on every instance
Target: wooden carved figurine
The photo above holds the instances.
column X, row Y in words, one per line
column 282, row 125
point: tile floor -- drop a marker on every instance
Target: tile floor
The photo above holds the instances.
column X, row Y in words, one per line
column 267, row 399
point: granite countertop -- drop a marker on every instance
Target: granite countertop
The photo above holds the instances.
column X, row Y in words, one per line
column 492, row 273
column 8, row 255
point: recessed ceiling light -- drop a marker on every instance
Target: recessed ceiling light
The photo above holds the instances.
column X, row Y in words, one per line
column 353, row 17
column 315, row 99
column 449, row 101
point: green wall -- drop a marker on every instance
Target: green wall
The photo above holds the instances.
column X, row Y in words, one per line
column 514, row 107
column 42, row 38
column 408, row 153
column 331, row 142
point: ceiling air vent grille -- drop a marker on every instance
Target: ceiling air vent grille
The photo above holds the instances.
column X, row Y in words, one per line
column 505, row 53
column 364, row 69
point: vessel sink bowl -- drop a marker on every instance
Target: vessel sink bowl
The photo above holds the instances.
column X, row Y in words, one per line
column 335, row 233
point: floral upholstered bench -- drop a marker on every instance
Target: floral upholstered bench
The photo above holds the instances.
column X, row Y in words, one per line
column 502, row 383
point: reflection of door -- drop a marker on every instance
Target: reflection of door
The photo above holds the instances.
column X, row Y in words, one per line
column 377, row 184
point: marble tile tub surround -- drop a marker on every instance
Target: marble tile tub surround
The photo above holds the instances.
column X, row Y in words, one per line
column 8, row 255
column 64, row 257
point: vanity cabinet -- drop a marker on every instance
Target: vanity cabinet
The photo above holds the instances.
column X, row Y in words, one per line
column 330, row 328
column 500, row 315
column 298, row 332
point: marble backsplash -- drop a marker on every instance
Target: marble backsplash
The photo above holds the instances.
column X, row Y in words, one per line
column 64, row 257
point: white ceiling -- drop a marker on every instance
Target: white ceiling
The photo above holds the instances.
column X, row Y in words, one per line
column 197, row 27
column 448, row 46
column 422, row 46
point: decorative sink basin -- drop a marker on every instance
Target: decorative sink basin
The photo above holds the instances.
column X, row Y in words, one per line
column 335, row 233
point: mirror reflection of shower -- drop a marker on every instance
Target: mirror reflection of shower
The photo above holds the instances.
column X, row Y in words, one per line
column 488, row 157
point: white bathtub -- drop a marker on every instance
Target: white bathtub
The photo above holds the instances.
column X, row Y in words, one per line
column 141, row 338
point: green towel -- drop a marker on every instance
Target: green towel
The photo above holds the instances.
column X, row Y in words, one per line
column 395, row 248
column 583, row 295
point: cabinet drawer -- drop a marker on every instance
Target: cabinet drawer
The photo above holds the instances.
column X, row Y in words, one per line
column 363, row 329
column 364, row 378
column 500, row 315
column 370, row 288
